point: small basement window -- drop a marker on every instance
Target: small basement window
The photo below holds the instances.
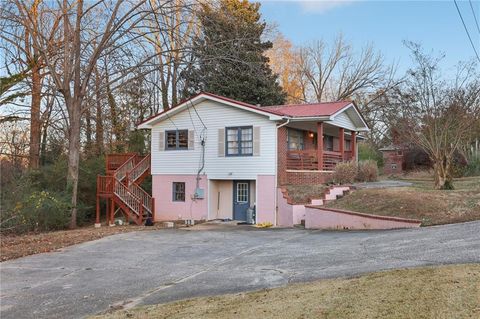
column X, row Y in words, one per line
column 176, row 140
column 394, row 166
column 178, row 191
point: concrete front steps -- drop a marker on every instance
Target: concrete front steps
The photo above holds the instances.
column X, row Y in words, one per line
column 290, row 214
column 315, row 216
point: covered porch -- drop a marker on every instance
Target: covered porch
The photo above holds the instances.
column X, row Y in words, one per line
column 318, row 146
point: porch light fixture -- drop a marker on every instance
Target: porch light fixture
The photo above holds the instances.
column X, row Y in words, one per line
column 310, row 134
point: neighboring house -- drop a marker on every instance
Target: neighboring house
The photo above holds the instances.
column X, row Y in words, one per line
column 213, row 157
column 393, row 159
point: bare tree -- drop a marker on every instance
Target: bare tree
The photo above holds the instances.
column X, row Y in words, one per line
column 173, row 28
column 17, row 36
column 438, row 115
column 337, row 72
column 70, row 38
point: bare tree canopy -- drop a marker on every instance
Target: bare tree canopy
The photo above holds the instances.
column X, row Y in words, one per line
column 337, row 72
column 437, row 115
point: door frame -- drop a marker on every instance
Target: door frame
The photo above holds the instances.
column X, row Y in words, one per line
column 234, row 197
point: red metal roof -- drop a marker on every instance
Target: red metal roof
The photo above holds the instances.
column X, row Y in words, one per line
column 309, row 110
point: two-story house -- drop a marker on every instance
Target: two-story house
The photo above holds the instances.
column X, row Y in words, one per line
column 214, row 157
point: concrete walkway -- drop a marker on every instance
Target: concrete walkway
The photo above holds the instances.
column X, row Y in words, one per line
column 160, row 266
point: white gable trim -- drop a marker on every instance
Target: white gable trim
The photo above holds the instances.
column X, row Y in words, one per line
column 196, row 100
column 364, row 126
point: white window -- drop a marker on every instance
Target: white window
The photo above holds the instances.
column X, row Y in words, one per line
column 242, row 192
column 240, row 141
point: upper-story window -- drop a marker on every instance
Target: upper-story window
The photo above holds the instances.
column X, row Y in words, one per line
column 176, row 140
column 295, row 140
column 239, row 141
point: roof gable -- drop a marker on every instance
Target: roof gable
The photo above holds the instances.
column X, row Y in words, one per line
column 296, row 112
column 148, row 123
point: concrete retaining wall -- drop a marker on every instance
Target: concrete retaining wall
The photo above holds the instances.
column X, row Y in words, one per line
column 326, row 218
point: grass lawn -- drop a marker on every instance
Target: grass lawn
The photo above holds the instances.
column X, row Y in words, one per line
column 431, row 292
column 15, row 246
column 419, row 201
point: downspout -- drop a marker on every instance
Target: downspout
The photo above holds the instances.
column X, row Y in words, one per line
column 283, row 124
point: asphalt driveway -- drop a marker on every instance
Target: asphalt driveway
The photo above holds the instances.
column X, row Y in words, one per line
column 160, row 266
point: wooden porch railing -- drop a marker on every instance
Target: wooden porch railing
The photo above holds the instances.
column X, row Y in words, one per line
column 307, row 159
column 104, row 185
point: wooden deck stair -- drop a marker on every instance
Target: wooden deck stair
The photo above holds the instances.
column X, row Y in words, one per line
column 121, row 188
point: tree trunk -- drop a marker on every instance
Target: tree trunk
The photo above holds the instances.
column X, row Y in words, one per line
column 88, row 130
column 98, row 115
column 442, row 176
column 43, row 152
column 74, row 157
column 35, row 123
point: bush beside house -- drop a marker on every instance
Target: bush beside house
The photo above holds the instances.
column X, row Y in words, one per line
column 349, row 172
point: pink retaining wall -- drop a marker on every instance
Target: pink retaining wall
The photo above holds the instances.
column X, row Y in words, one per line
column 323, row 218
column 167, row 209
column 266, row 196
column 285, row 210
column 288, row 214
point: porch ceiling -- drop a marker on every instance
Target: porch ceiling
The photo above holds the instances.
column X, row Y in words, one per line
column 310, row 126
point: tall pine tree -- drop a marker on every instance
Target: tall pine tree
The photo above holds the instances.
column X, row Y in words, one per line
column 229, row 55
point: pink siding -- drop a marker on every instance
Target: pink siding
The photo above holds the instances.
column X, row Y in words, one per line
column 266, row 198
column 167, row 209
column 322, row 218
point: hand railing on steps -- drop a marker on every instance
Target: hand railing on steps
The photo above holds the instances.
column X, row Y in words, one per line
column 126, row 167
column 138, row 170
column 143, row 196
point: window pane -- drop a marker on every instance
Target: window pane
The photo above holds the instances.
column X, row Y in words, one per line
column 247, row 134
column 242, row 192
column 171, row 139
column 295, row 140
column 183, row 139
column 178, row 192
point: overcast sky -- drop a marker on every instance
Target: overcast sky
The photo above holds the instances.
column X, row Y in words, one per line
column 435, row 24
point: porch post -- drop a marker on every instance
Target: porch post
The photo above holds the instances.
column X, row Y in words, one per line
column 97, row 214
column 341, row 142
column 112, row 212
column 320, row 145
column 354, row 145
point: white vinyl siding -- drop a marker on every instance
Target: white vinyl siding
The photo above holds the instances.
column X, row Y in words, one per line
column 217, row 117
column 343, row 120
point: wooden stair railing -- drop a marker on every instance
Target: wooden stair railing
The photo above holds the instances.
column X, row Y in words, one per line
column 129, row 199
column 126, row 167
column 124, row 174
column 144, row 197
column 138, row 170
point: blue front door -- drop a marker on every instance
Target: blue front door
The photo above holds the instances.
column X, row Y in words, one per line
column 241, row 199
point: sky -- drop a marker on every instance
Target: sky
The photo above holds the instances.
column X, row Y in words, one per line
column 385, row 24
